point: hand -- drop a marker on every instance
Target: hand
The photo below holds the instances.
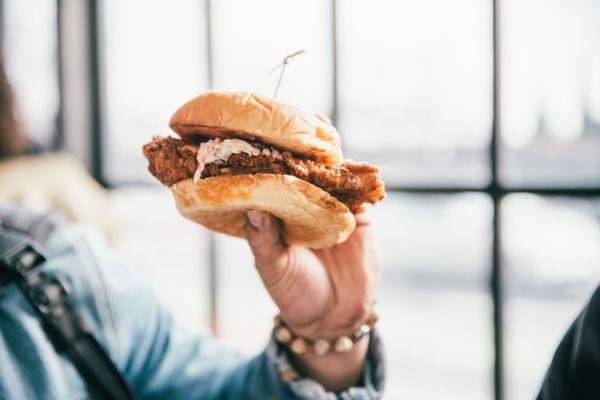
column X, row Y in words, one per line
column 320, row 293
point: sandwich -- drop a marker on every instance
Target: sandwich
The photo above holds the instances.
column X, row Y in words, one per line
column 238, row 151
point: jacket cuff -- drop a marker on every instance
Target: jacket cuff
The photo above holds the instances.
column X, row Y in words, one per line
column 372, row 381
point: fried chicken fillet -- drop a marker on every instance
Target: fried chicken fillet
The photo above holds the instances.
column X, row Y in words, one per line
column 172, row 160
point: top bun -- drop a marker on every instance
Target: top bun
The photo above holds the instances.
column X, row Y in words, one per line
column 247, row 115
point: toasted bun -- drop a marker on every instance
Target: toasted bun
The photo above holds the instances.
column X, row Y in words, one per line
column 310, row 216
column 246, row 115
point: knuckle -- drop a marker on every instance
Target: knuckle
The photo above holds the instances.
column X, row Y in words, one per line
column 355, row 313
column 361, row 309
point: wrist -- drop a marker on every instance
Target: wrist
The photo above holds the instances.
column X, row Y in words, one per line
column 334, row 371
column 363, row 370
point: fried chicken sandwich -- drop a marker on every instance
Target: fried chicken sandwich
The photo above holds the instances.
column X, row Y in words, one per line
column 240, row 151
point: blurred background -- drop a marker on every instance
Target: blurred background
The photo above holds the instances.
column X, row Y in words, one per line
column 483, row 115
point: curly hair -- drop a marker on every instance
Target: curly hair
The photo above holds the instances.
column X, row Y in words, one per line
column 13, row 141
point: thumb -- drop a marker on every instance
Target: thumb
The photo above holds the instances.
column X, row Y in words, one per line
column 270, row 255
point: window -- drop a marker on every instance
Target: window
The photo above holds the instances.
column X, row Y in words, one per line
column 485, row 119
column 431, row 293
column 245, row 50
column 150, row 71
column 30, row 33
column 170, row 252
column 415, row 88
column 550, row 93
column 551, row 264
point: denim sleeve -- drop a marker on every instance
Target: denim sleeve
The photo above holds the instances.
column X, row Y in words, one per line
column 161, row 360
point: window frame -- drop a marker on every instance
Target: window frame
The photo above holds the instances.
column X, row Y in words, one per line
column 494, row 189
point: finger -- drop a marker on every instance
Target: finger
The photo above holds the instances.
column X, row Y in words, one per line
column 263, row 235
column 365, row 234
column 324, row 118
column 356, row 270
column 363, row 219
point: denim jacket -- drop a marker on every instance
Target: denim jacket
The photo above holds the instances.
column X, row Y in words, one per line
column 156, row 356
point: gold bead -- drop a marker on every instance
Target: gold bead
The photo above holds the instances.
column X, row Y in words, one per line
column 283, row 334
column 343, row 344
column 298, row 346
column 288, row 375
column 373, row 318
column 321, row 347
column 364, row 330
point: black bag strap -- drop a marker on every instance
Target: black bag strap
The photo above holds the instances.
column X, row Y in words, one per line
column 22, row 260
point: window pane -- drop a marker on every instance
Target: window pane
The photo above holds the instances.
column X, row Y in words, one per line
column 415, row 88
column 169, row 251
column 245, row 309
column 434, row 305
column 551, row 92
column 252, row 37
column 433, row 301
column 31, row 64
column 552, row 258
column 155, row 61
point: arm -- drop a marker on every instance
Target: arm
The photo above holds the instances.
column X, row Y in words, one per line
column 321, row 294
column 161, row 360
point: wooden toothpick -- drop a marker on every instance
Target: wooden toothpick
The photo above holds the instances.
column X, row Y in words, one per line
column 283, row 64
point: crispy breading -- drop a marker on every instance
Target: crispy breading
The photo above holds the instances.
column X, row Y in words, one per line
column 170, row 160
column 354, row 184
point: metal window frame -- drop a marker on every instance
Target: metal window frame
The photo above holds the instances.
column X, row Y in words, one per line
column 495, row 190
column 58, row 139
column 213, row 277
column 94, row 24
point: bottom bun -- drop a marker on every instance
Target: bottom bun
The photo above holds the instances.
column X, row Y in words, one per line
column 311, row 217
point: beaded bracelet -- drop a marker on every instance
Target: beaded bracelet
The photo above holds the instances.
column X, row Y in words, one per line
column 320, row 347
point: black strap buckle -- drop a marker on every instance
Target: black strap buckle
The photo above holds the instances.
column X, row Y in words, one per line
column 49, row 295
column 18, row 256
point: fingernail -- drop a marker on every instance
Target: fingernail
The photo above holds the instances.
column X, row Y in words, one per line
column 255, row 219
column 323, row 118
